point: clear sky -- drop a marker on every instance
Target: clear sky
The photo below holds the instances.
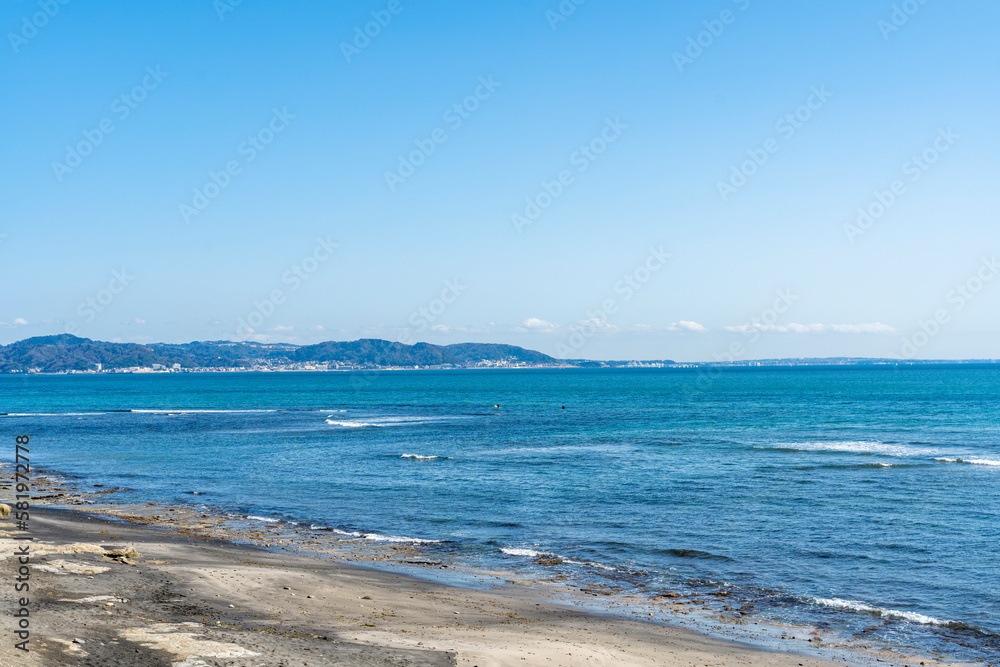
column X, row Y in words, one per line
column 603, row 180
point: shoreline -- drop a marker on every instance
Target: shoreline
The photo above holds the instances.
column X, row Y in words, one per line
column 835, row 363
column 601, row 603
column 530, row 622
column 284, row 606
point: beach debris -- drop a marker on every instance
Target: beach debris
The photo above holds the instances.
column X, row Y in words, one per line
column 67, row 567
column 4, row 510
column 69, row 646
column 124, row 554
column 75, row 548
column 183, row 641
column 79, row 641
column 97, row 598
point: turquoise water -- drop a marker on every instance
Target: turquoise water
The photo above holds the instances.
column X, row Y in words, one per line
column 855, row 498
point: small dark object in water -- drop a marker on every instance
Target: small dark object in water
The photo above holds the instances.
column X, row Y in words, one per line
column 548, row 561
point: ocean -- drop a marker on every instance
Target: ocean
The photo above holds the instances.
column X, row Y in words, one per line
column 865, row 500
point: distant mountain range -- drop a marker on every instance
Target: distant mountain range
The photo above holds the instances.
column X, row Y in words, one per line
column 53, row 354
column 67, row 353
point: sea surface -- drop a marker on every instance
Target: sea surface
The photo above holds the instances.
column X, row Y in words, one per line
column 862, row 499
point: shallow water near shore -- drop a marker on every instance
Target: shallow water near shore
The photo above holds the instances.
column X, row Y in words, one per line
column 865, row 501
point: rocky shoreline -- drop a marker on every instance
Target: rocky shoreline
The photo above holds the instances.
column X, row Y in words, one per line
column 152, row 585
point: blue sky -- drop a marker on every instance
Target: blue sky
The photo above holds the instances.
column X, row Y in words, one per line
column 618, row 180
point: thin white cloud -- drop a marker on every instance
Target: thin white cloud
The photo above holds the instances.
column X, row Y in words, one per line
column 20, row 322
column 318, row 327
column 794, row 328
column 687, row 325
column 873, row 328
column 535, row 323
column 598, row 322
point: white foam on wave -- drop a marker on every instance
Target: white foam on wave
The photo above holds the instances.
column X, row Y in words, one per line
column 882, row 612
column 263, row 518
column 382, row 422
column 976, row 462
column 531, row 553
column 375, row 537
column 983, row 462
column 867, row 447
column 52, row 414
column 527, row 553
column 184, row 411
column 419, row 457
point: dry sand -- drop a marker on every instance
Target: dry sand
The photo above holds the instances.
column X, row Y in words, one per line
column 189, row 601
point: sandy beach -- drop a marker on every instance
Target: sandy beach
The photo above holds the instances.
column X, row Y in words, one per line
column 186, row 601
